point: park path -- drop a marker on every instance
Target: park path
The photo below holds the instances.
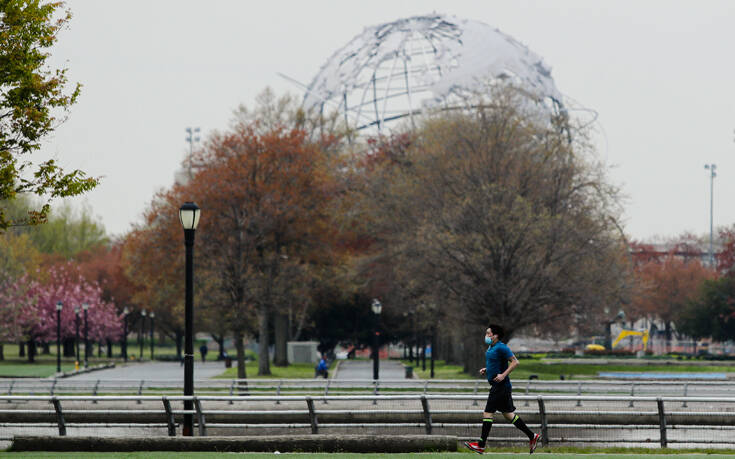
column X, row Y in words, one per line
column 154, row 370
column 363, row 369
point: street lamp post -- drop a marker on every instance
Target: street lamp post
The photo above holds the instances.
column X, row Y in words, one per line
column 126, row 311
column 377, row 307
column 76, row 331
column 189, row 214
column 85, row 307
column 712, row 174
column 141, row 335
column 153, row 324
column 59, row 307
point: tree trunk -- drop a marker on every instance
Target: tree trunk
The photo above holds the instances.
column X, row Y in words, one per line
column 220, row 340
column 264, row 367
column 68, row 347
column 99, row 349
column 21, row 349
column 240, row 348
column 31, row 351
column 109, row 349
column 2, row 352
column 280, row 359
column 45, row 348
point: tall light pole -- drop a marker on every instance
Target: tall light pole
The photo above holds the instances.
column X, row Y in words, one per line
column 377, row 308
column 76, row 332
column 153, row 324
column 126, row 311
column 712, row 174
column 141, row 335
column 59, row 307
column 85, row 307
column 189, row 217
column 192, row 136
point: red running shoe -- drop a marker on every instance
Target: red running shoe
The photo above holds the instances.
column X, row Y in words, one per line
column 534, row 442
column 473, row 446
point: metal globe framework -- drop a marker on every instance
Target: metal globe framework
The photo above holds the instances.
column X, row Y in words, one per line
column 396, row 71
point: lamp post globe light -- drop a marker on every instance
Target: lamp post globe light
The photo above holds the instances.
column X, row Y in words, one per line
column 76, row 331
column 152, row 315
column 126, row 311
column 59, row 307
column 141, row 335
column 377, row 308
column 189, row 218
column 85, row 307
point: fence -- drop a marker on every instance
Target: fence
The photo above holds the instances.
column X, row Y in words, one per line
column 323, row 387
column 561, row 419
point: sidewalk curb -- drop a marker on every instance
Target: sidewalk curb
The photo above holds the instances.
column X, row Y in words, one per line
column 336, row 369
column 102, row 366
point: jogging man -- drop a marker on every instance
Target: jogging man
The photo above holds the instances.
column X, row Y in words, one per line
column 499, row 363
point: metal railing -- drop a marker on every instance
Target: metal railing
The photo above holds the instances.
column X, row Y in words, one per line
column 322, row 387
column 560, row 418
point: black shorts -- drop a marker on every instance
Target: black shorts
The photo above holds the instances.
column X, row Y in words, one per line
column 499, row 399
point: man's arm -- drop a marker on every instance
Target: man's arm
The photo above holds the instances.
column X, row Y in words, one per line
column 513, row 363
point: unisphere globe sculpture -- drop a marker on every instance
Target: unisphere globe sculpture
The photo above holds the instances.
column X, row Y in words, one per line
column 397, row 70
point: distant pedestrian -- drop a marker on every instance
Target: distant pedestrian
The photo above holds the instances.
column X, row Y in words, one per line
column 497, row 369
column 203, row 351
column 322, row 368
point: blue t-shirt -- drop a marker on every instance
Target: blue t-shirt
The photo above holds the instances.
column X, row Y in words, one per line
column 496, row 362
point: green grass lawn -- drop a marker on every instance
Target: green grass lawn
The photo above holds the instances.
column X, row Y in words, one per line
column 38, row 369
column 293, row 371
column 14, row 365
column 441, row 370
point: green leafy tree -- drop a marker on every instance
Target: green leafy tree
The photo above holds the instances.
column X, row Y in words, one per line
column 712, row 314
column 31, row 97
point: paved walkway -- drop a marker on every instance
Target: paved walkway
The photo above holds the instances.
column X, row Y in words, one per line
column 363, row 369
column 154, row 370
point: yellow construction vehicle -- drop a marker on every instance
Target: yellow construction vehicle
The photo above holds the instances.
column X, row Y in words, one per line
column 626, row 333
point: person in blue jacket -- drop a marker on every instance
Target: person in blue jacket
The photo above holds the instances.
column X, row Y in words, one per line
column 322, row 368
column 499, row 363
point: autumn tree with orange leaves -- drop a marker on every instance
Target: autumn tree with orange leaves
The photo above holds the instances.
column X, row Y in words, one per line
column 665, row 288
column 265, row 197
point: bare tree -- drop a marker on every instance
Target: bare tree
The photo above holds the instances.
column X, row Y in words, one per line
column 502, row 216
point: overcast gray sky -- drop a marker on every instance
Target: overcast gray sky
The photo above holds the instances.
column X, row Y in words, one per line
column 659, row 73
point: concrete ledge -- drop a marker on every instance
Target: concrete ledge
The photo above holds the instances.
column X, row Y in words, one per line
column 296, row 443
column 101, row 366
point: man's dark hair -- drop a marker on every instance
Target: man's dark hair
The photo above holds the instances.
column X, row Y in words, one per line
column 497, row 330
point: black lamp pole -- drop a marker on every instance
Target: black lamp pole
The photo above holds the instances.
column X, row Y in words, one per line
column 125, row 334
column 141, row 335
column 189, row 217
column 59, row 306
column 377, row 308
column 85, row 306
column 153, row 324
column 76, row 331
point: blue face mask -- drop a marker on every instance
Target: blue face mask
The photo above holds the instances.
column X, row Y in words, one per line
column 488, row 340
